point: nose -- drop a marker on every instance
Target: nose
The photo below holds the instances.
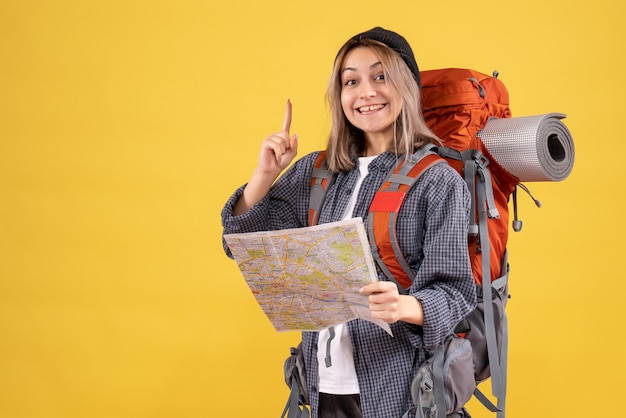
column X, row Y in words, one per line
column 367, row 89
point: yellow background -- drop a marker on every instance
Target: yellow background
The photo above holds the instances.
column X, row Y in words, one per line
column 125, row 125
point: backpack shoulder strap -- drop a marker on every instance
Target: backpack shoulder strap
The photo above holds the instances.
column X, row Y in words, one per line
column 384, row 210
column 321, row 180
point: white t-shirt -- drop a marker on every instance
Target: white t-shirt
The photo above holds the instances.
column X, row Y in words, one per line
column 340, row 378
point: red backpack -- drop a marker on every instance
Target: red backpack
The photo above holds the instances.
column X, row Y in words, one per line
column 457, row 103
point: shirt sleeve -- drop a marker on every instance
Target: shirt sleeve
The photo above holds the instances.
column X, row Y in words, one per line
column 285, row 206
column 444, row 283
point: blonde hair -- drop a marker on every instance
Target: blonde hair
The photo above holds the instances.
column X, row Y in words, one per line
column 410, row 133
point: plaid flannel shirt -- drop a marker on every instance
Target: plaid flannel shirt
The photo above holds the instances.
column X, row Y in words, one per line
column 432, row 233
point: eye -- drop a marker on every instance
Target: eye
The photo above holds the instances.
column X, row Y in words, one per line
column 348, row 83
column 380, row 77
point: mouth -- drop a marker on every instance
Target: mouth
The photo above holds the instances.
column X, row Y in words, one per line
column 370, row 108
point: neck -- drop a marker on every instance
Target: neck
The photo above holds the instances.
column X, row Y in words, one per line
column 377, row 144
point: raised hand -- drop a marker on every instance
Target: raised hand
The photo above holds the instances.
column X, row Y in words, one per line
column 278, row 149
column 277, row 152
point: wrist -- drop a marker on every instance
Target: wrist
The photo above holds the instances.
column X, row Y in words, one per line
column 257, row 188
column 411, row 310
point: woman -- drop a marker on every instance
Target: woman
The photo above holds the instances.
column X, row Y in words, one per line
column 356, row 369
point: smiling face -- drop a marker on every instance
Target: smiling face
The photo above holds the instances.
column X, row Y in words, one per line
column 369, row 102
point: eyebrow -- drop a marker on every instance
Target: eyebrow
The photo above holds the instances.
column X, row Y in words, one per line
column 376, row 64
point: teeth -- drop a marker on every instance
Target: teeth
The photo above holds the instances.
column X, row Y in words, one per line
column 371, row 108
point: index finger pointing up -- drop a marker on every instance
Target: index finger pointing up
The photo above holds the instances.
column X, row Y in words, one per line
column 287, row 121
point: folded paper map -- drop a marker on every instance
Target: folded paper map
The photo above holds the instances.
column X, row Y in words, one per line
column 308, row 278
